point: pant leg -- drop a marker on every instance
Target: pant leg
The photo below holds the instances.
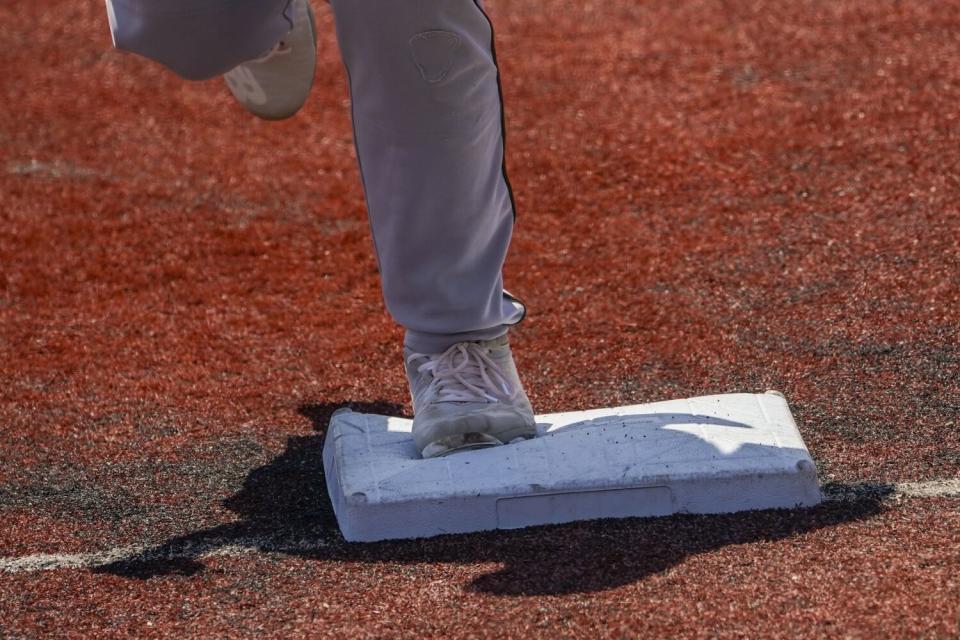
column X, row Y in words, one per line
column 198, row 39
column 428, row 128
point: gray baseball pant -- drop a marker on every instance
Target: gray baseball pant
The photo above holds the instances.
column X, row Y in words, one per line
column 428, row 127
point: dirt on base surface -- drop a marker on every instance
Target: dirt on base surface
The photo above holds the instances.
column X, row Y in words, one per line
column 713, row 197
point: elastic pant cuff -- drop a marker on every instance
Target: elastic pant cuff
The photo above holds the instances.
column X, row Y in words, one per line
column 420, row 342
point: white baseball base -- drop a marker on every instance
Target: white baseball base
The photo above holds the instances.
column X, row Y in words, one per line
column 712, row 454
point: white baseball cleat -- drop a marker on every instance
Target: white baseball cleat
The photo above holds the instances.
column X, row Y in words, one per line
column 275, row 85
column 467, row 397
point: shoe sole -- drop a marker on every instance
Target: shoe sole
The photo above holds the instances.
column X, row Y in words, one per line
column 474, row 431
column 459, row 442
column 466, row 442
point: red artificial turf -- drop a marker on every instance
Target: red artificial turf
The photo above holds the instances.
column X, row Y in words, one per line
column 713, row 197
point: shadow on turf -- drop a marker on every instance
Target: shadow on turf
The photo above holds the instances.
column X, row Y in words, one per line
column 284, row 508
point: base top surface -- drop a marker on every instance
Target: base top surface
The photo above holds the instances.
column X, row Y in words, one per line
column 715, row 436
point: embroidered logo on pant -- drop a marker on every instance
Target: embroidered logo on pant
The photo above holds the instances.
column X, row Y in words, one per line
column 433, row 52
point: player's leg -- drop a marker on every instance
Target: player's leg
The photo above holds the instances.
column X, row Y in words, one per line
column 265, row 48
column 428, row 127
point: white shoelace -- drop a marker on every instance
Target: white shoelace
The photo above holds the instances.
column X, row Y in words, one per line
column 466, row 373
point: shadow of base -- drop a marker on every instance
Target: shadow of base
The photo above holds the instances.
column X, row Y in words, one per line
column 284, row 508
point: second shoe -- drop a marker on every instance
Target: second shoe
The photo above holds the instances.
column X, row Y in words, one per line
column 276, row 85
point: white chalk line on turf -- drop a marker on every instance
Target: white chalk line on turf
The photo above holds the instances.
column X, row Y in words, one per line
column 930, row 489
column 208, row 548
column 211, row 547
